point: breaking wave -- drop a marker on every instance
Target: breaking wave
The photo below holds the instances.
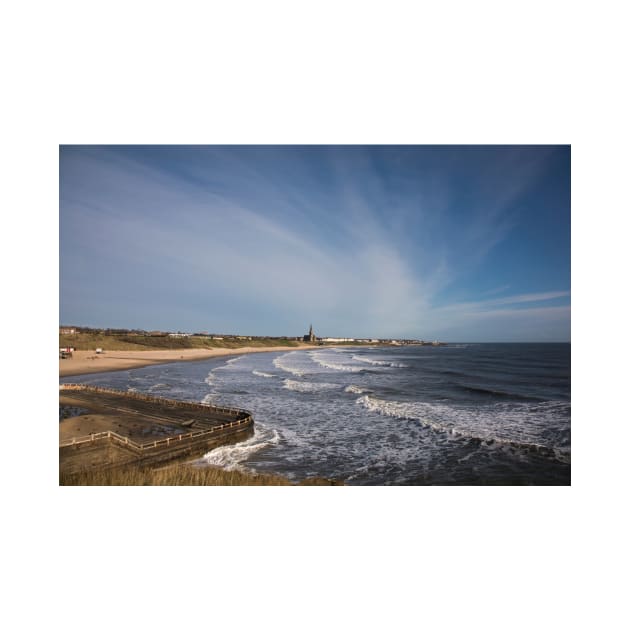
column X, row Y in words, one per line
column 235, row 359
column 479, row 424
column 306, row 386
column 159, row 386
column 356, row 357
column 281, row 363
column 263, row 374
column 232, row 456
column 342, row 367
column 211, row 377
column 355, row 389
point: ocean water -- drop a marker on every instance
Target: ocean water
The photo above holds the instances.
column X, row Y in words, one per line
column 464, row 414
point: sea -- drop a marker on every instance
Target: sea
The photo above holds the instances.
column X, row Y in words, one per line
column 459, row 414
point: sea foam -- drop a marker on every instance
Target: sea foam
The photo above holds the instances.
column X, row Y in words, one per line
column 332, row 365
column 355, row 389
column 232, row 456
column 306, row 386
column 263, row 374
column 479, row 423
column 283, row 363
column 356, row 357
column 235, row 359
column 211, row 377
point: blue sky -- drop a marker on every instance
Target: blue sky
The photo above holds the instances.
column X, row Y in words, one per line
column 460, row 243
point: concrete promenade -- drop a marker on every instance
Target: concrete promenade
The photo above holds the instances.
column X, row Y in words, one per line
column 114, row 428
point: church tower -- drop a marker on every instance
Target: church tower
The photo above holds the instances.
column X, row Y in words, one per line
column 311, row 335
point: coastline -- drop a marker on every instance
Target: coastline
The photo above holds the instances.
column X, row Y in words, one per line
column 87, row 362
column 178, row 473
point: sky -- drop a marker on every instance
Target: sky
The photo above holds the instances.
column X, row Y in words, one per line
column 455, row 243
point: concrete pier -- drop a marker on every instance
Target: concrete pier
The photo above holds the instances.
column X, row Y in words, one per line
column 122, row 428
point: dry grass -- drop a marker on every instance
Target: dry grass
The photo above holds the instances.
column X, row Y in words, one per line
column 180, row 475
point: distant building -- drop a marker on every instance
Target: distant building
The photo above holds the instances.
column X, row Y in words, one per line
column 67, row 331
column 310, row 338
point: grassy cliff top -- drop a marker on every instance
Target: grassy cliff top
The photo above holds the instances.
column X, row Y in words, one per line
column 93, row 340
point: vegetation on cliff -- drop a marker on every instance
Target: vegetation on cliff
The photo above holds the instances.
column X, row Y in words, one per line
column 181, row 475
column 117, row 341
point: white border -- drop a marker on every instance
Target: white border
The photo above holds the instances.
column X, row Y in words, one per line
column 278, row 72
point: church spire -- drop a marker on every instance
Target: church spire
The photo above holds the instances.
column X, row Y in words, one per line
column 311, row 335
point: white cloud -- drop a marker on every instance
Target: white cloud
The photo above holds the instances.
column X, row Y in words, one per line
column 488, row 305
column 135, row 228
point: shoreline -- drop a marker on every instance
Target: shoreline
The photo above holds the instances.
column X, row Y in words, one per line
column 88, row 362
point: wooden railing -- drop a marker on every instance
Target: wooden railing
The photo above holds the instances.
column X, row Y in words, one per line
column 245, row 419
column 229, row 411
column 162, row 442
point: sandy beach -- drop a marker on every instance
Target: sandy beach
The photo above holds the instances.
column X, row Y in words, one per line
column 88, row 362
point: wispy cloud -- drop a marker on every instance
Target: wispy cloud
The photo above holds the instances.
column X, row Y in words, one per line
column 227, row 251
column 488, row 305
column 228, row 243
column 517, row 323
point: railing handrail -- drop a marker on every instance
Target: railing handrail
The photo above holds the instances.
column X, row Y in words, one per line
column 137, row 445
column 149, row 398
column 230, row 411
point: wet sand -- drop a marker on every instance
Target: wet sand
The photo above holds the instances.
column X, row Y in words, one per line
column 88, row 362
